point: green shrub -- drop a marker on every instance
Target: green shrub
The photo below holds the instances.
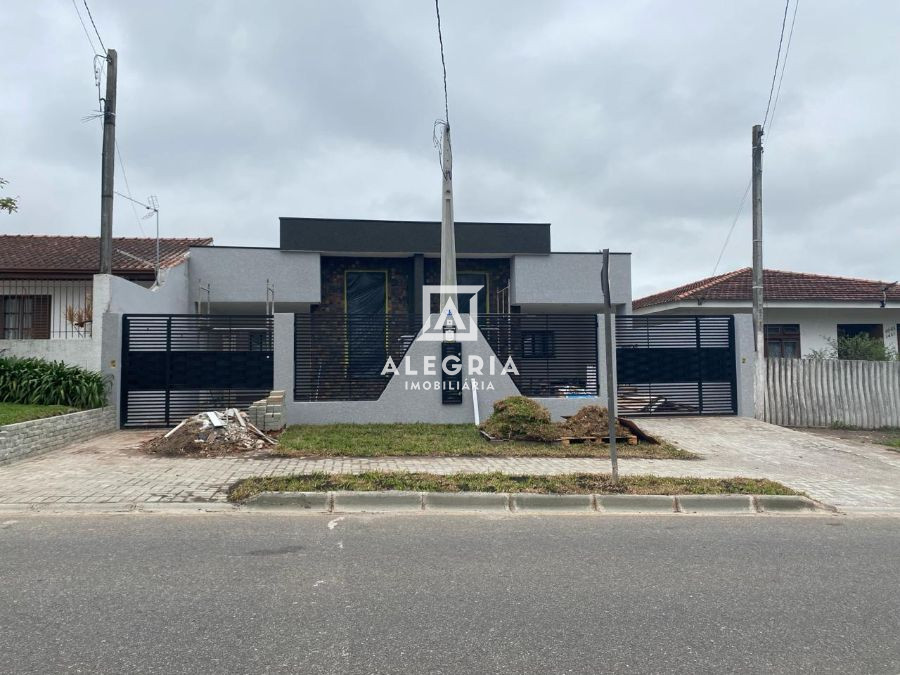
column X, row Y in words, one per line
column 862, row 347
column 520, row 418
column 39, row 382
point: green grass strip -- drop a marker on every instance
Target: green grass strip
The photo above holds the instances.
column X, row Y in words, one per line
column 574, row 483
column 441, row 440
column 13, row 413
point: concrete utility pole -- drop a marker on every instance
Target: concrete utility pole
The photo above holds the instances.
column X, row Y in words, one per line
column 108, row 167
column 759, row 375
column 610, row 364
column 448, row 236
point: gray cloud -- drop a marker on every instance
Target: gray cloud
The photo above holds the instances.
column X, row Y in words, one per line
column 624, row 124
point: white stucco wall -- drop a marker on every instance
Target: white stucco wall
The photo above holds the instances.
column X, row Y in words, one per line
column 816, row 325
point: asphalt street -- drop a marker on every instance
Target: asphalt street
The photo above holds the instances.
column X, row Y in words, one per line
column 247, row 593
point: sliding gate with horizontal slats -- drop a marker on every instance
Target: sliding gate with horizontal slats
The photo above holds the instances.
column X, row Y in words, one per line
column 676, row 365
column 176, row 365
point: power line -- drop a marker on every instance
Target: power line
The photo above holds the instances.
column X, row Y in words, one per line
column 128, row 190
column 86, row 33
column 774, row 107
column 94, row 25
column 787, row 51
column 777, row 60
column 737, row 215
column 437, row 11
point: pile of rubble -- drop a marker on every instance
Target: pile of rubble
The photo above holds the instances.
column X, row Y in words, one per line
column 209, row 434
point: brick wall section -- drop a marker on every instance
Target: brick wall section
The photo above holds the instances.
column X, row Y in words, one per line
column 29, row 438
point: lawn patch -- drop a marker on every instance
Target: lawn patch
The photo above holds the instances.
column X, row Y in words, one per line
column 13, row 413
column 574, row 483
column 441, row 440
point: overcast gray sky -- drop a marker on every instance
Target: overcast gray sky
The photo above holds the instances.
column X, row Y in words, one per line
column 625, row 124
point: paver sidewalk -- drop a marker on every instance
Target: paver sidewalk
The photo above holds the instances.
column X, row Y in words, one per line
column 110, row 470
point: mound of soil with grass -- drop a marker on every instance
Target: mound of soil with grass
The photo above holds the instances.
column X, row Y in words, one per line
column 521, row 419
column 591, row 420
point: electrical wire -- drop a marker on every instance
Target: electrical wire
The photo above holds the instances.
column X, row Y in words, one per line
column 787, row 4
column 90, row 16
column 737, row 215
column 128, row 190
column 787, row 51
column 437, row 11
column 86, row 33
column 777, row 93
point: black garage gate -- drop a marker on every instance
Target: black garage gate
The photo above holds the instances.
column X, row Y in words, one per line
column 176, row 365
column 676, row 365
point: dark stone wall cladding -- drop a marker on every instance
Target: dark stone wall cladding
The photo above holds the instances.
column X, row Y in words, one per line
column 399, row 274
column 400, row 279
column 497, row 270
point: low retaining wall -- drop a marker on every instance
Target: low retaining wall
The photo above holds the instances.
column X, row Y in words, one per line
column 29, row 438
column 817, row 393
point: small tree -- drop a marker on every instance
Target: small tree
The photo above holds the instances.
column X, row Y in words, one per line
column 8, row 204
column 861, row 347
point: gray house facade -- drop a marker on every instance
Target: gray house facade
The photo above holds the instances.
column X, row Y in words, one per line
column 345, row 298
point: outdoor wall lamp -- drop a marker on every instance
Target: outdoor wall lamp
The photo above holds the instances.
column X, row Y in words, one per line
column 449, row 328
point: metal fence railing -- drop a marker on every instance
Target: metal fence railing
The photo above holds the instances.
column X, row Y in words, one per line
column 46, row 309
column 340, row 357
column 555, row 354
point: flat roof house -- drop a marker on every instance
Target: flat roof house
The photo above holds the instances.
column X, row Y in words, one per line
column 803, row 312
column 347, row 296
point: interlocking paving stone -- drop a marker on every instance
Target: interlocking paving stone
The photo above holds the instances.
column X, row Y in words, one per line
column 109, row 469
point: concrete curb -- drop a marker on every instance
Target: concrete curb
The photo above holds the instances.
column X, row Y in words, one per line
column 787, row 504
column 466, row 501
column 377, row 502
column 527, row 502
column 460, row 502
column 731, row 504
column 540, row 503
column 636, row 504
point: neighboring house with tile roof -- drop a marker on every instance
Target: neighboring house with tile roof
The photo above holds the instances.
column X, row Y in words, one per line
column 47, row 282
column 801, row 311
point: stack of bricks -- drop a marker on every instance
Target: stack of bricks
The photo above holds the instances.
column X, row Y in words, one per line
column 267, row 414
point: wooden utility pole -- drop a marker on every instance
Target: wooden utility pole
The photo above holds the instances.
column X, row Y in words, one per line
column 108, row 166
column 759, row 375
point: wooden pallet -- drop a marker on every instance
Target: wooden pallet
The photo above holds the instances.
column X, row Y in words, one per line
column 568, row 440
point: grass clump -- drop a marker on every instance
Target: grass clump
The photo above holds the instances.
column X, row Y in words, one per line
column 575, row 483
column 13, row 413
column 39, row 382
column 520, row 418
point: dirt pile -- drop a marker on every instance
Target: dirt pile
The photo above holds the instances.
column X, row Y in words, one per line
column 521, row 419
column 210, row 434
column 591, row 420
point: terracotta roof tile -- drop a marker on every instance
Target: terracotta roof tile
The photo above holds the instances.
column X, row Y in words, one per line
column 777, row 286
column 82, row 254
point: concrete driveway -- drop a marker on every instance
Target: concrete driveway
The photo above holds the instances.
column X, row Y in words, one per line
column 851, row 476
column 110, row 470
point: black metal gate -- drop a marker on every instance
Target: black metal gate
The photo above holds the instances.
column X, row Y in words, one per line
column 176, row 365
column 676, row 365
